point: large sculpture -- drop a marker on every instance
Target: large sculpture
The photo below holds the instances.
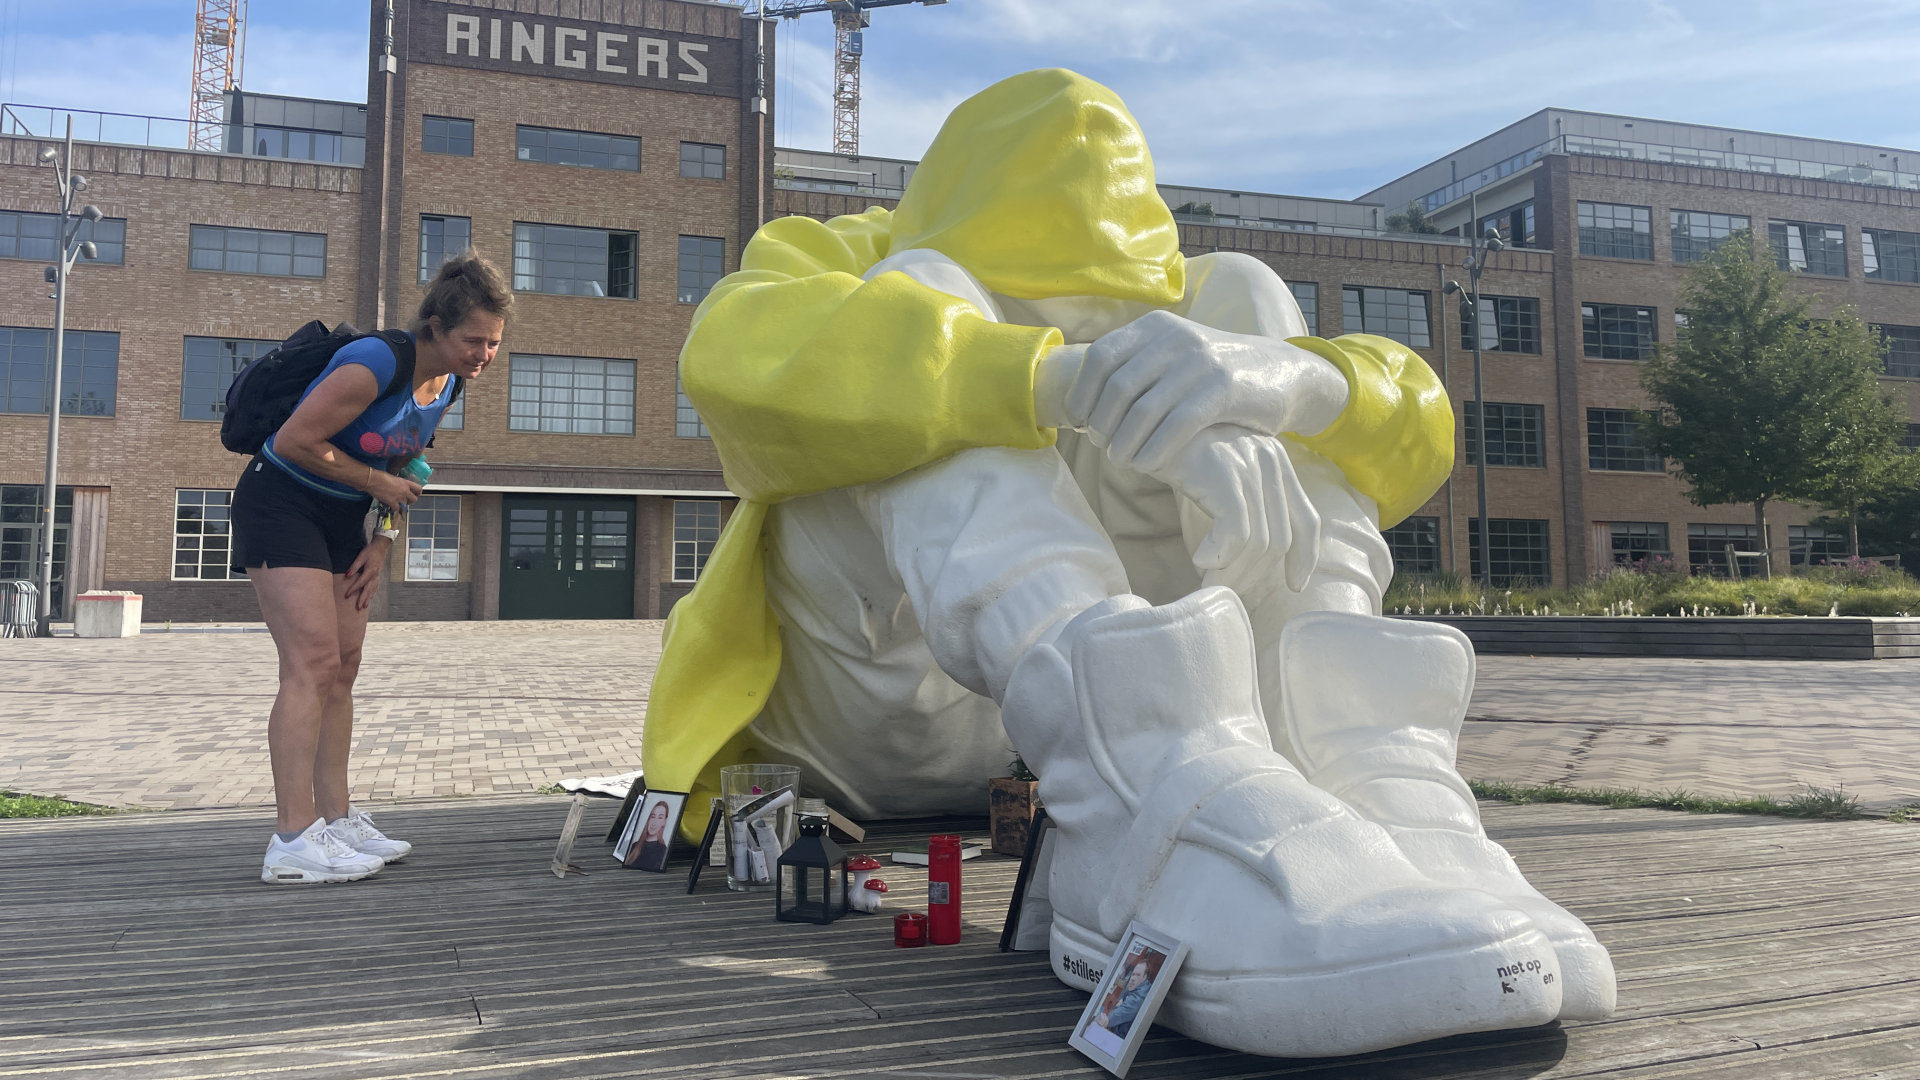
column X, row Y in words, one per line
column 1013, row 468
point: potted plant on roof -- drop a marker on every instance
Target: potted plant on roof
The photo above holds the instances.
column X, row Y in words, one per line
column 1010, row 803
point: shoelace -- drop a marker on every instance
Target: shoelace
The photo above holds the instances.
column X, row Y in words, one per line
column 335, row 845
column 363, row 825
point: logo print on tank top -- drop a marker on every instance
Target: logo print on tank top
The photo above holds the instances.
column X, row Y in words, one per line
column 372, row 443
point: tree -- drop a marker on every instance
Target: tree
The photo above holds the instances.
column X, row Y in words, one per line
column 1868, row 468
column 1414, row 220
column 1757, row 401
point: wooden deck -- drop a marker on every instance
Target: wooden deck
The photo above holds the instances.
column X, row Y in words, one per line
column 144, row 946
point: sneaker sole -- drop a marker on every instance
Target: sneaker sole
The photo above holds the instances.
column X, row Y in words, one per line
column 293, row 875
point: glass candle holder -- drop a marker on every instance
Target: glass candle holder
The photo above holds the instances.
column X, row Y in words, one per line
column 754, row 845
column 909, row 930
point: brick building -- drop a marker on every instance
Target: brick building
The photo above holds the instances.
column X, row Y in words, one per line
column 613, row 158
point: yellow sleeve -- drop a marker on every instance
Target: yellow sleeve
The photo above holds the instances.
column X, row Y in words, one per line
column 1394, row 441
column 811, row 379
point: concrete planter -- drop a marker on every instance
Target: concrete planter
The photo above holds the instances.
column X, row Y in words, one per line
column 106, row 614
column 1010, row 813
column 1751, row 638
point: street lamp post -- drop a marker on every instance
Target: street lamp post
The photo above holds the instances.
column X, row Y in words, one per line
column 71, row 247
column 1476, row 263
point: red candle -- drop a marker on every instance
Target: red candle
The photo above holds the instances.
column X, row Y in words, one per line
column 943, row 890
column 909, row 929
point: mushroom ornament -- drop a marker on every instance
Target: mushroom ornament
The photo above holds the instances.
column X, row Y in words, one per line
column 866, row 893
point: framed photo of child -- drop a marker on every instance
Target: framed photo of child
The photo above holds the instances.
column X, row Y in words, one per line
column 649, row 833
column 1136, row 981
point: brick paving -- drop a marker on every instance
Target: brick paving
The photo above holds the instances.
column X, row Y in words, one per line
column 179, row 720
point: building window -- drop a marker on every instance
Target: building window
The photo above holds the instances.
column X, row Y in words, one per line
column 1514, row 225
column 1903, row 350
column 686, row 419
column 1804, row 248
column 583, row 148
column 570, row 395
column 35, row 236
column 696, row 528
column 441, row 238
column 20, row 524
column 1697, row 234
column 89, row 371
column 1611, row 445
column 1307, row 295
column 202, row 537
column 433, row 538
column 1506, row 324
column 566, row 261
column 1616, row 232
column 1618, row 331
column 1415, row 544
column 1400, row 314
column 1639, row 541
column 258, row 251
column 1518, row 552
column 703, row 262
column 1514, row 434
column 1891, row 256
column 703, row 161
column 1810, row 545
column 446, row 135
column 207, row 368
column 1710, row 549
column 1912, row 439
column 455, row 418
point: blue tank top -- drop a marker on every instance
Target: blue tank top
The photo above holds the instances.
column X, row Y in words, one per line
column 390, row 427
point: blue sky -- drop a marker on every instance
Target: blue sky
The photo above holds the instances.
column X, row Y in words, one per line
column 1305, row 97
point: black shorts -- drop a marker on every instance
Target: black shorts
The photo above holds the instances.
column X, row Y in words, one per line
column 278, row 521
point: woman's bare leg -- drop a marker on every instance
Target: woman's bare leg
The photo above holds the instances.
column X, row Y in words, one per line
column 336, row 719
column 299, row 604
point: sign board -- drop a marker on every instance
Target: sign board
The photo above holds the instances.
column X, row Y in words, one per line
column 457, row 35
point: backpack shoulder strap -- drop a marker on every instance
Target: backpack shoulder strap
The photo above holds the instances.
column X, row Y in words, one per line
column 402, row 347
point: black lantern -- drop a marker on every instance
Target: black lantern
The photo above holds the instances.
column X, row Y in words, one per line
column 813, row 877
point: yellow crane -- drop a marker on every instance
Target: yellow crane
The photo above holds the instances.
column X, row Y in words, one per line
column 219, row 40
column 850, row 17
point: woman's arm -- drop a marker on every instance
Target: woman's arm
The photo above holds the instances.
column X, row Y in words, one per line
column 335, row 403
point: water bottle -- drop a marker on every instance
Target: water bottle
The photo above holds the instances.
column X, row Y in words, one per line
column 418, row 470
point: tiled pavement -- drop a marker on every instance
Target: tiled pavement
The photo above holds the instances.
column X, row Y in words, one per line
column 178, row 720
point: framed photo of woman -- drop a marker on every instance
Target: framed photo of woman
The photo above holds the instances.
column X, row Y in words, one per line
column 1136, row 981
column 649, row 833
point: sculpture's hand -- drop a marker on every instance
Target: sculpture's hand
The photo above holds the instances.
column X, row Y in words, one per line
column 1146, row 390
column 1245, row 482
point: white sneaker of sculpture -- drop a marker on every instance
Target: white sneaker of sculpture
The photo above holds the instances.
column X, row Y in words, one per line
column 1312, row 933
column 1371, row 710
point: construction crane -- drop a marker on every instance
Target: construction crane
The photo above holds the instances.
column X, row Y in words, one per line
column 849, row 19
column 219, row 40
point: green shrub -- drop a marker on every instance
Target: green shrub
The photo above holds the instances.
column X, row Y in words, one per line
column 1852, row 588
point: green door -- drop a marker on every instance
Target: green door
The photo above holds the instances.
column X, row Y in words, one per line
column 567, row 557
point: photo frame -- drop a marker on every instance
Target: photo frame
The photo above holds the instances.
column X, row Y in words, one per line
column 1030, row 912
column 648, row 838
column 705, row 856
column 563, row 851
column 1122, row 1008
column 634, row 791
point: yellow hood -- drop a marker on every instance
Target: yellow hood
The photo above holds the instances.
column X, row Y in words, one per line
column 1041, row 186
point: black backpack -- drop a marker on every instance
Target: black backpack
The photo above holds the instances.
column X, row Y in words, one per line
column 265, row 392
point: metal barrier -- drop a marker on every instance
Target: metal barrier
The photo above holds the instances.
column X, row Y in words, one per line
column 19, row 608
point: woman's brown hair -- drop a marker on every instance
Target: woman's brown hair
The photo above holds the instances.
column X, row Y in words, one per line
column 465, row 282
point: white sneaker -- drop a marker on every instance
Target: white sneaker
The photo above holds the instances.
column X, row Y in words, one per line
column 358, row 830
column 318, row 854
